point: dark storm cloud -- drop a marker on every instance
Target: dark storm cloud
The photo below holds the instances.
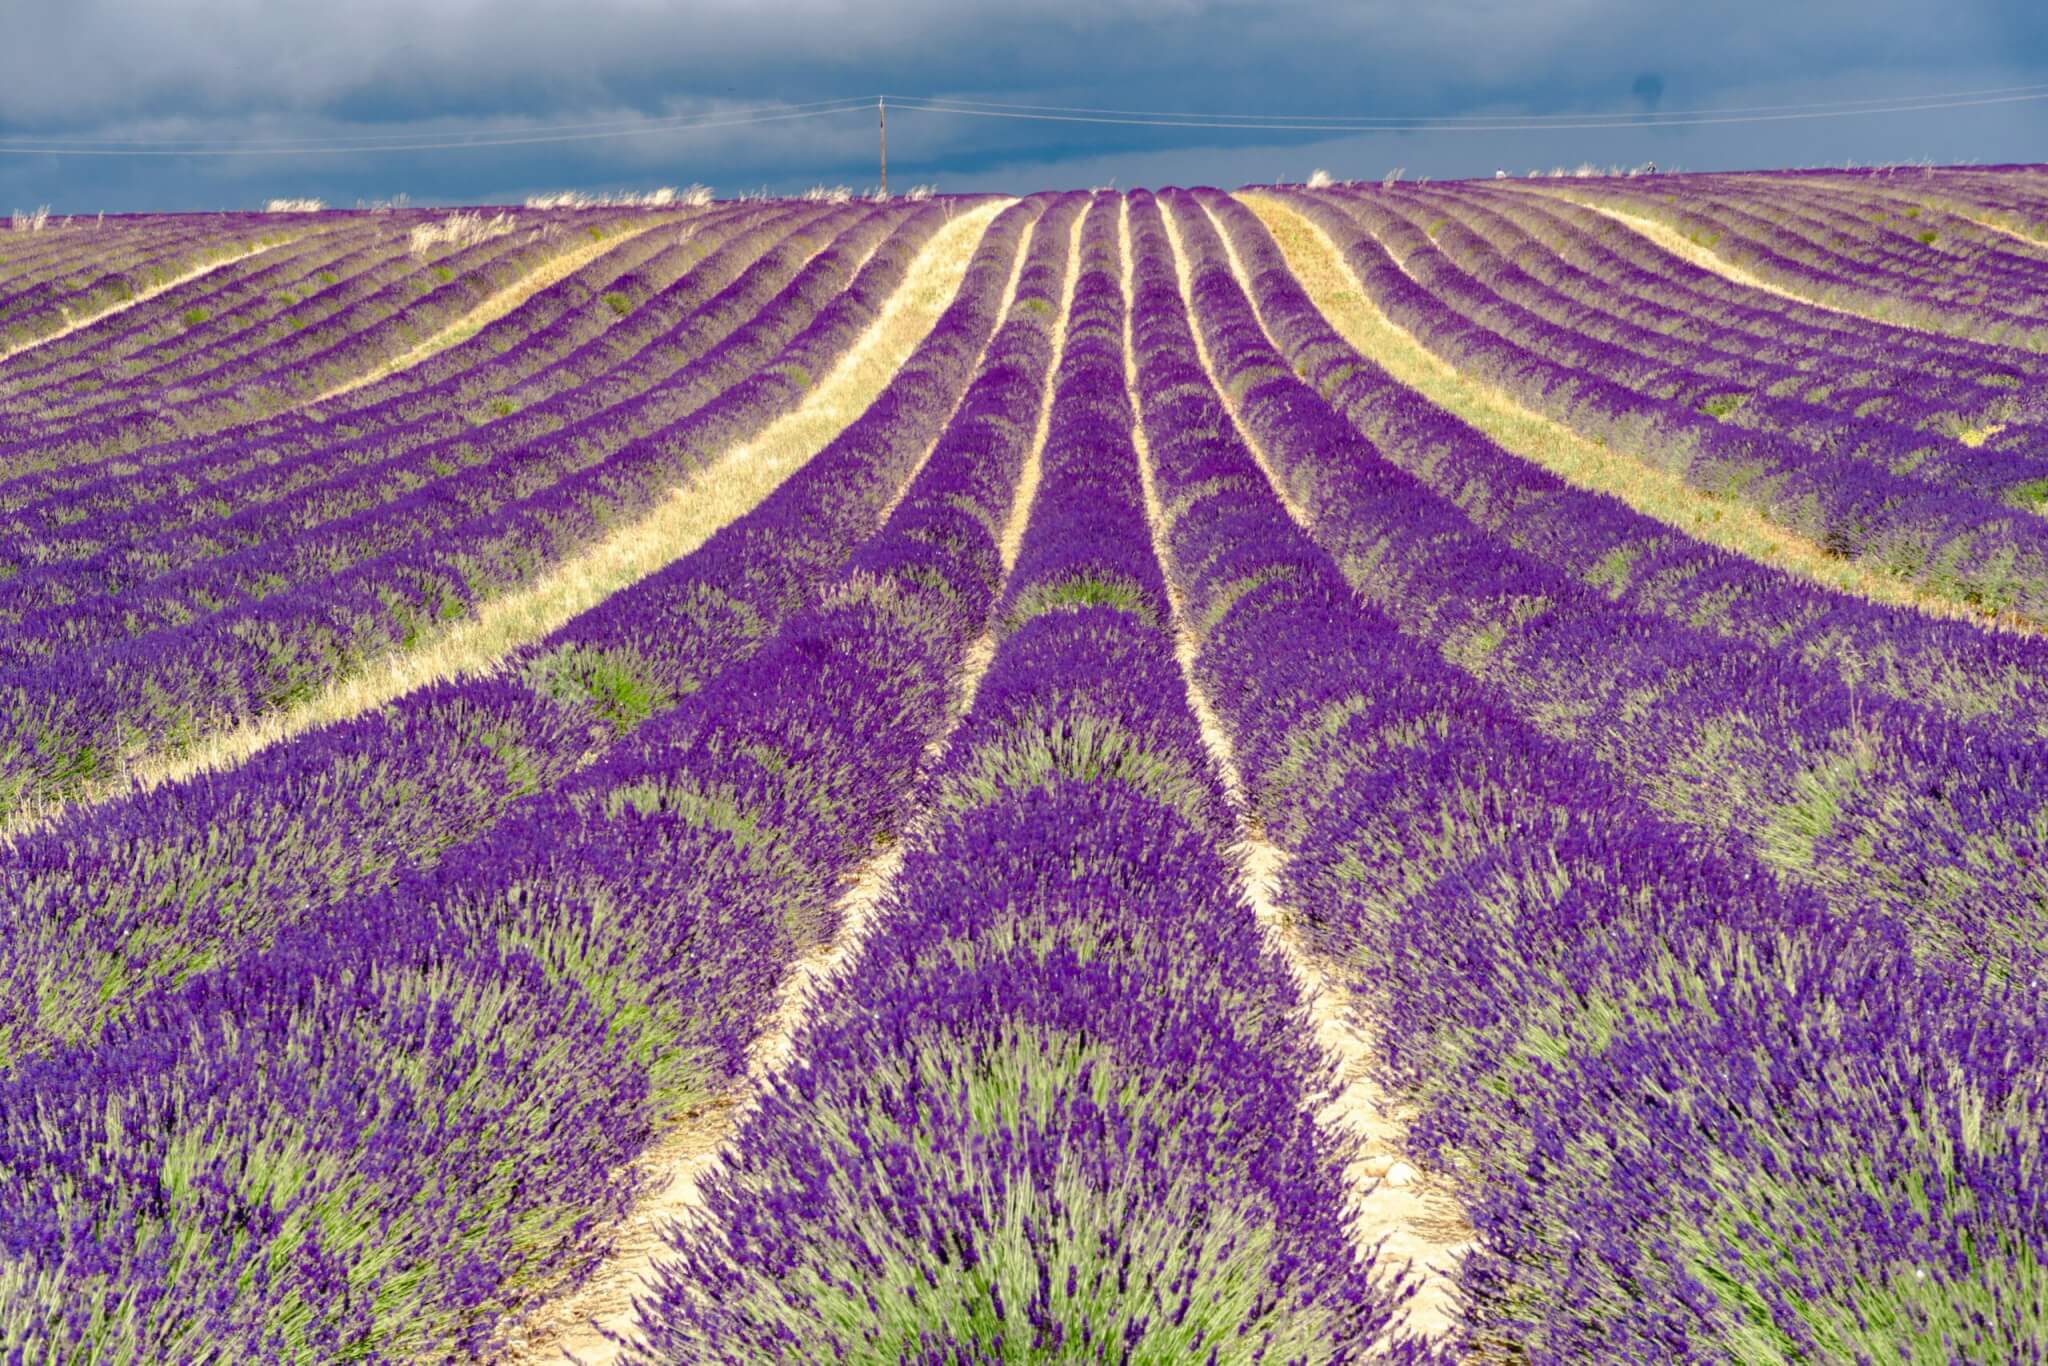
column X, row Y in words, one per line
column 254, row 69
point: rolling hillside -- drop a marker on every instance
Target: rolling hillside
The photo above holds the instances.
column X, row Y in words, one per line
column 1416, row 772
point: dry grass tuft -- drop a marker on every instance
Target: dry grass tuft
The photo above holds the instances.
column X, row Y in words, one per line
column 458, row 230
column 690, row 197
column 294, row 205
column 29, row 222
column 828, row 194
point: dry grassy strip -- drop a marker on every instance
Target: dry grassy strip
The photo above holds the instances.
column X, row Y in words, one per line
column 550, row 272
column 1728, row 523
column 1683, row 247
column 1414, row 1220
column 588, row 1323
column 2014, row 233
column 1692, row 253
column 88, row 319
column 1889, row 195
column 679, row 524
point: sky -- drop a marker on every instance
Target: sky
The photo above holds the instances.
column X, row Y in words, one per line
column 599, row 95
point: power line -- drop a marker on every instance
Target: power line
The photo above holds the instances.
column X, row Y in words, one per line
column 1504, row 126
column 653, row 122
column 523, row 140
column 1431, row 119
column 970, row 108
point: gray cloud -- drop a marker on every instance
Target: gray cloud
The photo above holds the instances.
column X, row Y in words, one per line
column 258, row 69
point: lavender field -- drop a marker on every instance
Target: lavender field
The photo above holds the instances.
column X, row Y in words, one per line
column 1444, row 772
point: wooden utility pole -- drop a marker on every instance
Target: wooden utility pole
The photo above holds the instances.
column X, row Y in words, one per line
column 882, row 120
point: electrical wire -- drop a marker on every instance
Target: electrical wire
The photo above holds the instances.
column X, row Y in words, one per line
column 1424, row 119
column 965, row 111
column 962, row 107
column 851, row 101
column 310, row 148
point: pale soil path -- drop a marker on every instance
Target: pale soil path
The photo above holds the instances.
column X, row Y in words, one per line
column 675, row 1168
column 1727, row 523
column 88, row 319
column 678, row 524
column 550, row 272
column 1413, row 1218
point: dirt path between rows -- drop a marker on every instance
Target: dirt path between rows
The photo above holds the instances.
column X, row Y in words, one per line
column 675, row 1169
column 1412, row 1219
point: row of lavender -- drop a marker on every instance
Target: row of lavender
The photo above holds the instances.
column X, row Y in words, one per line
column 1058, row 1108
column 69, row 527
column 198, row 872
column 1799, row 317
column 1879, row 249
column 89, row 355
column 1915, row 357
column 409, row 1115
column 1692, row 1105
column 75, row 529
column 1787, row 358
column 1931, row 813
column 1872, row 799
column 1062, row 1105
column 1952, row 542
column 51, row 281
column 221, row 316
column 184, row 318
column 2011, row 197
column 368, row 561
